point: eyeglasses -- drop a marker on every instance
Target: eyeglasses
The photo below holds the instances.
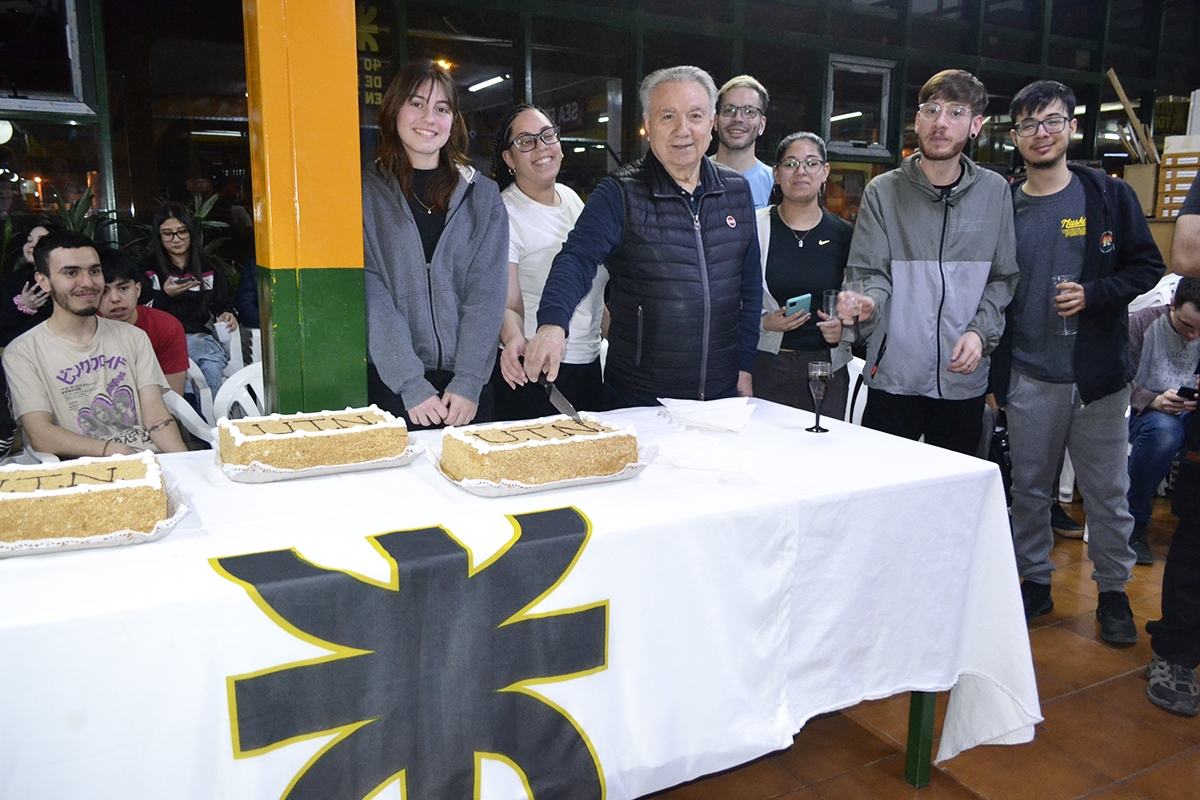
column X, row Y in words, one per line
column 527, row 141
column 729, row 110
column 810, row 165
column 1029, row 127
column 956, row 113
column 181, row 234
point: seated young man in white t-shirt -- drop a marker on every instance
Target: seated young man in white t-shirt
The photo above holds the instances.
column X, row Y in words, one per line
column 81, row 385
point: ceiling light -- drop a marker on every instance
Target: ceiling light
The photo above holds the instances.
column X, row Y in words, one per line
column 486, row 84
column 850, row 115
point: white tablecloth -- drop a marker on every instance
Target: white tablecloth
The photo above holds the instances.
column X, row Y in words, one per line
column 752, row 580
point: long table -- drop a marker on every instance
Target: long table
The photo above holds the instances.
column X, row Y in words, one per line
column 387, row 632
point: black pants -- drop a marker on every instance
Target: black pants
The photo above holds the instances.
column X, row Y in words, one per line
column 1176, row 637
column 951, row 424
column 579, row 383
column 783, row 378
column 379, row 394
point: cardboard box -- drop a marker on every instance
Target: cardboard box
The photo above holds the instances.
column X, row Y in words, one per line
column 1181, row 159
column 1144, row 180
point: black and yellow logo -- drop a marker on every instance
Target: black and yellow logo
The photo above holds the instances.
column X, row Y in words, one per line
column 429, row 672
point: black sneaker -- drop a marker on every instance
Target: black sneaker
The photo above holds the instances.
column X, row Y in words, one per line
column 1141, row 548
column 1037, row 599
column 1062, row 524
column 1173, row 687
column 1116, row 619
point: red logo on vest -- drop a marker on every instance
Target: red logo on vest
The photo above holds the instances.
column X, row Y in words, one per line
column 730, row 221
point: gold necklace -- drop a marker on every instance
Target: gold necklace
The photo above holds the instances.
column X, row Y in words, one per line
column 428, row 210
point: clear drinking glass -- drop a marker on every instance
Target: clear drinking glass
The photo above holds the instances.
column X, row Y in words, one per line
column 852, row 293
column 819, row 373
column 1067, row 326
column 830, row 304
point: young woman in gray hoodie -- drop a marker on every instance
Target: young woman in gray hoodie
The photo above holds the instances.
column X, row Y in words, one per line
column 435, row 242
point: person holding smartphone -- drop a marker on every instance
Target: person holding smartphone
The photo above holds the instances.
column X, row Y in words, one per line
column 804, row 250
column 1164, row 349
column 184, row 284
column 23, row 304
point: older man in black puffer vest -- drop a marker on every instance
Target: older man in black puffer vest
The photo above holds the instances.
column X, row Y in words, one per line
column 676, row 232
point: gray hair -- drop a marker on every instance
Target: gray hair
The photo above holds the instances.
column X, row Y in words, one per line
column 674, row 75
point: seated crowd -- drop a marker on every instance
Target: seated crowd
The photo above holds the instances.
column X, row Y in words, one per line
column 715, row 277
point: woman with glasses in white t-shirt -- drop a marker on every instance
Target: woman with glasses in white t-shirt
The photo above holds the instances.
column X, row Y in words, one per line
column 541, row 212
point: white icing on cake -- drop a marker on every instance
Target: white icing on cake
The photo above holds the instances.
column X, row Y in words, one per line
column 153, row 479
column 463, row 434
column 240, row 438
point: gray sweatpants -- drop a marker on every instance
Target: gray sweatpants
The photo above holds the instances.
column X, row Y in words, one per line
column 1044, row 418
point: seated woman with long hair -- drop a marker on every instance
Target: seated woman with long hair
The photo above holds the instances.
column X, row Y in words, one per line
column 435, row 248
column 804, row 251
column 185, row 285
column 541, row 212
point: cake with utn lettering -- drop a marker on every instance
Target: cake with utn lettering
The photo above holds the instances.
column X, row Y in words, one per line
column 538, row 451
column 302, row 441
column 81, row 498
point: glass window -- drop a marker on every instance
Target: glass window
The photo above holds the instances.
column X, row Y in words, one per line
column 844, row 189
column 671, row 49
column 792, row 78
column 859, row 90
column 945, row 9
column 878, row 28
column 779, row 17
column 707, row 10
column 37, row 54
column 42, row 158
column 580, row 87
column 1009, row 13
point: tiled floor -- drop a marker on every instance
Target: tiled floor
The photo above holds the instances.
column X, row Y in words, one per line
column 1101, row 739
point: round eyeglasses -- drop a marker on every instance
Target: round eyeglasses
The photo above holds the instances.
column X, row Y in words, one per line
column 527, row 141
column 955, row 113
column 809, row 165
column 728, row 110
column 1029, row 127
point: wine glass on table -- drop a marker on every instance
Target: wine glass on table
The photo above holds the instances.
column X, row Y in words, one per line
column 819, row 373
column 852, row 294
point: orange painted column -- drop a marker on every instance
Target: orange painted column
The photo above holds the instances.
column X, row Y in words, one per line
column 302, row 82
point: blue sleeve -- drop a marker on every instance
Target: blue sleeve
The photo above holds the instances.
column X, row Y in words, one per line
column 246, row 297
column 597, row 233
column 752, row 300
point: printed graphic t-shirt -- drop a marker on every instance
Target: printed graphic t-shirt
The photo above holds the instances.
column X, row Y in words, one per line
column 1051, row 232
column 88, row 389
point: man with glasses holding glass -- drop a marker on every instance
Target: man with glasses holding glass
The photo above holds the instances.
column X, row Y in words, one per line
column 741, row 119
column 677, row 234
column 1084, row 251
column 933, row 247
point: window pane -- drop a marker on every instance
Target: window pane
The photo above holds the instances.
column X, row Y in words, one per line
column 792, row 79
column 945, row 9
column 580, row 87
column 779, row 17
column 33, row 40
column 43, row 158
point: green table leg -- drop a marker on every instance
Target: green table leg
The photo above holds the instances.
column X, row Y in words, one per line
column 920, row 738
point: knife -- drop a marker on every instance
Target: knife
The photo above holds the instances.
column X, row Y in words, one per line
column 557, row 400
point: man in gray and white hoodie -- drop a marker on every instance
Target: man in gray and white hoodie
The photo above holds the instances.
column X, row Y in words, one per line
column 934, row 248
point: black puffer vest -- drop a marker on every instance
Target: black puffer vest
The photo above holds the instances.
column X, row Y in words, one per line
column 675, row 288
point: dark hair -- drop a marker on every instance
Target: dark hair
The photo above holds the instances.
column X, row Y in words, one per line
column 392, row 159
column 503, row 141
column 1187, row 291
column 163, row 265
column 792, row 138
column 776, row 195
column 958, row 85
column 118, row 267
column 57, row 240
column 1039, row 94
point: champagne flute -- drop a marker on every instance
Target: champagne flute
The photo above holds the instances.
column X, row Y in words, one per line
column 819, row 373
column 852, row 302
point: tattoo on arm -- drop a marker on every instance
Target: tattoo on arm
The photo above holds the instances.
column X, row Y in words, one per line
column 160, row 425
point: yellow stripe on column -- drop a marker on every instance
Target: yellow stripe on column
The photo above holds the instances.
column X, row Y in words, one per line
column 302, row 82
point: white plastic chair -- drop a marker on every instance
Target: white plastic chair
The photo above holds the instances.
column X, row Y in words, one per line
column 200, row 387
column 186, row 415
column 244, row 391
column 255, row 345
column 236, row 359
column 1160, row 295
column 856, row 403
